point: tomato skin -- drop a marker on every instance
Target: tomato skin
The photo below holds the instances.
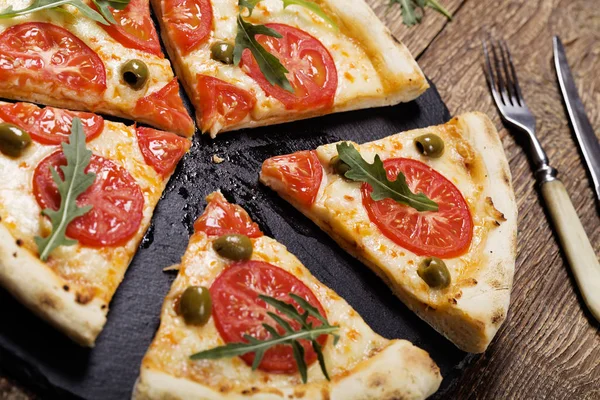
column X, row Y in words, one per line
column 221, row 218
column 134, row 28
column 117, row 201
column 221, row 103
column 161, row 150
column 312, row 71
column 164, row 108
column 300, row 175
column 49, row 125
column 39, row 52
column 237, row 310
column 446, row 233
column 189, row 22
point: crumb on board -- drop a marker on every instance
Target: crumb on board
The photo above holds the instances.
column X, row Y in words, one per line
column 217, row 160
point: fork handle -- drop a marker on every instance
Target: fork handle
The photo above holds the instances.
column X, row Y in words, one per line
column 575, row 243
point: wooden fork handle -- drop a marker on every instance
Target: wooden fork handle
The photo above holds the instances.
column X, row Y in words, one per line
column 575, row 243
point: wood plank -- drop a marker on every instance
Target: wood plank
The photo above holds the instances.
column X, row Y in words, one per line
column 550, row 346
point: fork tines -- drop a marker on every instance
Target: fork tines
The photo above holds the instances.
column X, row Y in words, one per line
column 501, row 75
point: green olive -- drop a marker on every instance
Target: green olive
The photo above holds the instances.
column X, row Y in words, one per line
column 339, row 166
column 195, row 305
column 13, row 140
column 222, row 51
column 233, row 246
column 135, row 73
column 430, row 145
column 434, row 272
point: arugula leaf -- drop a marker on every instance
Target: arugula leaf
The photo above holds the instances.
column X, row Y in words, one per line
column 269, row 65
column 290, row 336
column 376, row 176
column 249, row 4
column 312, row 7
column 410, row 15
column 76, row 181
column 39, row 5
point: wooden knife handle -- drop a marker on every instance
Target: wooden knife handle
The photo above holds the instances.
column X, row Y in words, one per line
column 575, row 243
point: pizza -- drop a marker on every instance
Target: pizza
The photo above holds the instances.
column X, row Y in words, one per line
column 73, row 287
column 233, row 286
column 290, row 61
column 437, row 223
column 68, row 60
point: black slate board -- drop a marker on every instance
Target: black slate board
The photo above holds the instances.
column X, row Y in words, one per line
column 46, row 361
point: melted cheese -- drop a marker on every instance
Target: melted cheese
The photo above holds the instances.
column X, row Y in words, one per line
column 176, row 341
column 93, row 272
column 118, row 99
column 339, row 206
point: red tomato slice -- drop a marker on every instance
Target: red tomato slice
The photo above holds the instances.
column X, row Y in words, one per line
column 237, row 310
column 161, row 150
column 189, row 22
column 134, row 28
column 446, row 233
column 165, row 109
column 300, row 175
column 222, row 103
column 50, row 125
column 312, row 71
column 39, row 52
column 116, row 198
column 221, row 218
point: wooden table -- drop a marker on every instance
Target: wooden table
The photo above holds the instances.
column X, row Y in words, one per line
column 549, row 346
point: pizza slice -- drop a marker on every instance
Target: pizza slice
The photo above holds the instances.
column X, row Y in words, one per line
column 246, row 320
column 431, row 211
column 71, row 285
column 61, row 57
column 273, row 61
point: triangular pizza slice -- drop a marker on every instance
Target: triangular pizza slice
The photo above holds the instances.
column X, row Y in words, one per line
column 62, row 57
column 235, row 292
column 72, row 287
column 432, row 211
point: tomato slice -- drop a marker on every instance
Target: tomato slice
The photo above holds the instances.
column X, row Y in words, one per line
column 222, row 104
column 116, row 198
column 300, row 175
column 189, row 22
column 237, row 310
column 39, row 52
column 312, row 71
column 165, row 109
column 221, row 218
column 161, row 150
column 50, row 125
column 134, row 28
column 446, row 233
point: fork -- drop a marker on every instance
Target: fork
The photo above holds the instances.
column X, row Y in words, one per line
column 503, row 82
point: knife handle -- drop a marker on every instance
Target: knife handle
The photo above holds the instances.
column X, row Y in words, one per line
column 575, row 243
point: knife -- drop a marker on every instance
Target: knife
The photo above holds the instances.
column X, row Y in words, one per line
column 588, row 142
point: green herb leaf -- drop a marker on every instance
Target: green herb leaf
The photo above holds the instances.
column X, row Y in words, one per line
column 412, row 10
column 289, row 336
column 39, row 5
column 314, row 7
column 376, row 176
column 76, row 181
column 249, row 4
column 269, row 65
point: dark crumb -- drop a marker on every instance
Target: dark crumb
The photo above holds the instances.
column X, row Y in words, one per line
column 15, row 254
column 66, row 288
column 103, row 306
column 19, row 242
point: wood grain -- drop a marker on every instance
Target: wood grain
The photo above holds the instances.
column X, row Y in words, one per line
column 549, row 347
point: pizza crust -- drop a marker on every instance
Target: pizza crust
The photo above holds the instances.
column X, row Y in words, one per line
column 472, row 320
column 400, row 371
column 45, row 293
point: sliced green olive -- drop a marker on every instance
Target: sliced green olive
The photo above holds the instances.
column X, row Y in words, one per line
column 434, row 272
column 195, row 305
column 233, row 246
column 13, row 140
column 135, row 73
column 339, row 166
column 222, row 51
column 430, row 145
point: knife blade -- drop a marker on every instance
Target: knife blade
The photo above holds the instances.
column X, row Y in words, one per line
column 588, row 142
